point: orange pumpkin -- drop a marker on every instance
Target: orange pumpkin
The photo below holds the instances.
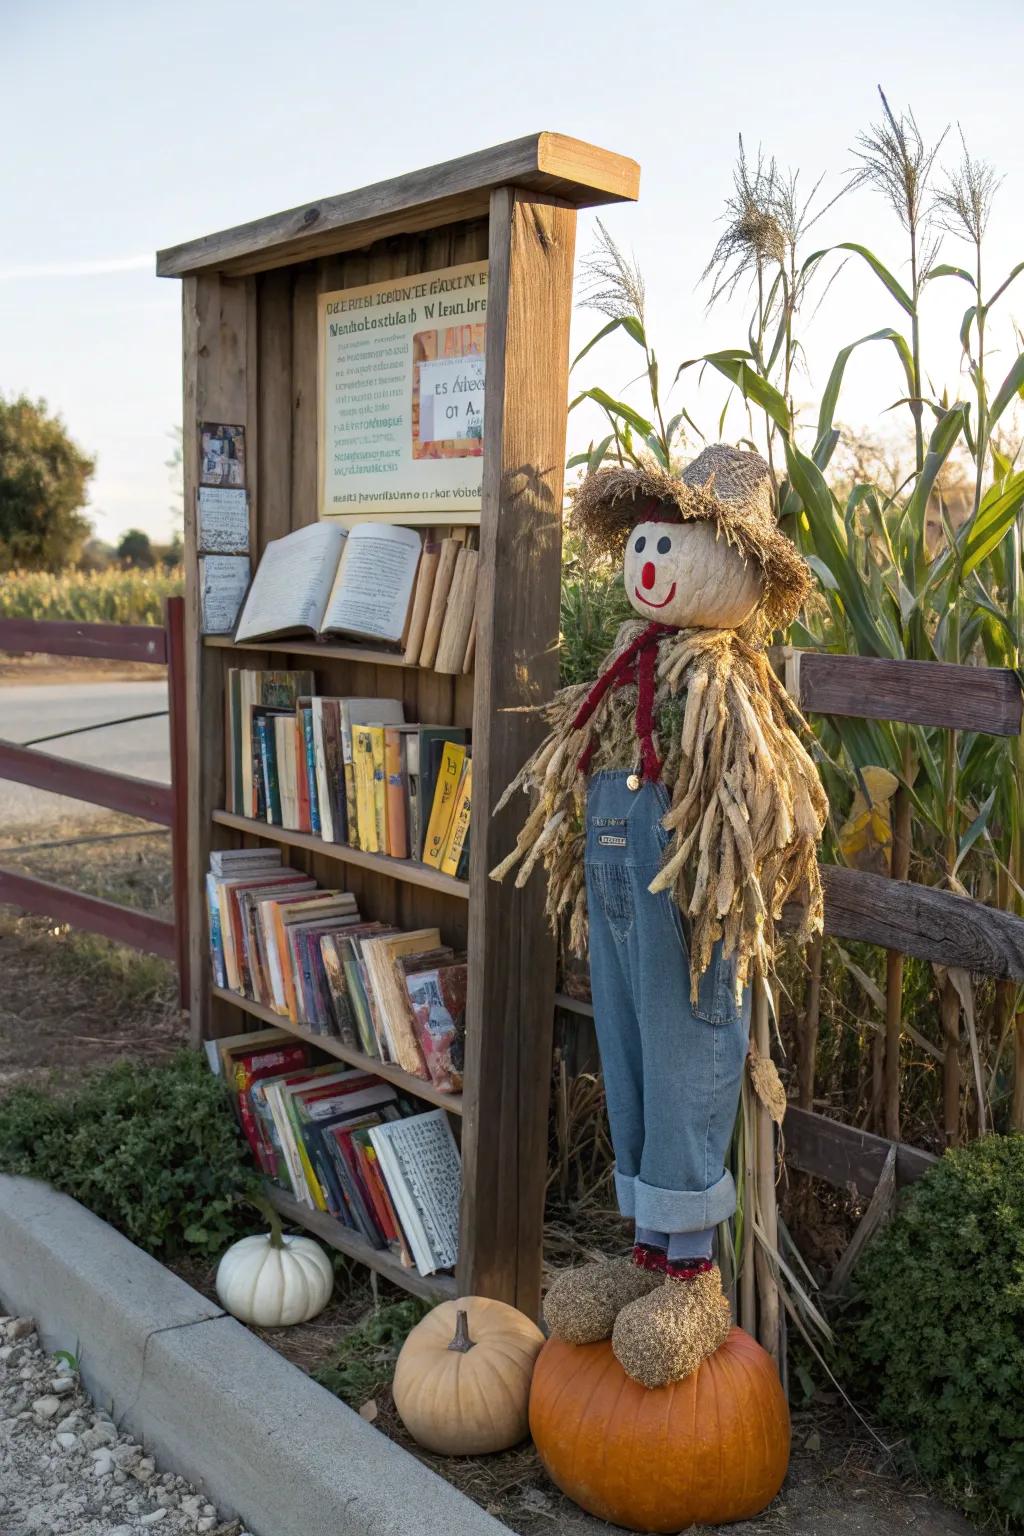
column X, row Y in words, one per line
column 703, row 1451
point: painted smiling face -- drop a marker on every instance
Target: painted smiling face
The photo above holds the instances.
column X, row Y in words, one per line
column 685, row 574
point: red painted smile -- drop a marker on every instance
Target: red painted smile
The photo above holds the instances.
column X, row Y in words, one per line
column 650, row 601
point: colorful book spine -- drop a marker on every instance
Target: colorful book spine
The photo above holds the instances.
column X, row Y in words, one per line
column 268, row 764
column 398, row 841
column 220, row 978
column 310, row 759
column 452, row 856
column 443, row 809
column 380, row 802
column 366, row 812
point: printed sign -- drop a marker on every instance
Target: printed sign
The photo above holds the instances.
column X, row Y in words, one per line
column 402, row 396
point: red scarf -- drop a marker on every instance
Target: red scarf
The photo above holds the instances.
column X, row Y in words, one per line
column 635, row 665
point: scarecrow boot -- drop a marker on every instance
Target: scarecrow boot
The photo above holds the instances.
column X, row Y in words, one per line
column 666, row 1334
column 582, row 1304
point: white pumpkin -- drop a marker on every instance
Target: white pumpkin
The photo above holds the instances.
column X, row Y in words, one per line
column 687, row 575
column 274, row 1281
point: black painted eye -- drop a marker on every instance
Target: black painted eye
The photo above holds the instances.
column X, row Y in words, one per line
column 640, row 545
column 664, row 545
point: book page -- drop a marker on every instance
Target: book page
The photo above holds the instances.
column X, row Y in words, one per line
column 290, row 588
column 373, row 589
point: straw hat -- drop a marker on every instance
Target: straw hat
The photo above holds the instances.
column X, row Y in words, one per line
column 727, row 486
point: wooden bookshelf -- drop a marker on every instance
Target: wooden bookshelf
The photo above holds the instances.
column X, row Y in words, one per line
column 440, row 1287
column 409, row 870
column 416, row 1086
column 250, row 345
column 321, row 650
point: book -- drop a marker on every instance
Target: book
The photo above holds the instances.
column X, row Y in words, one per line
column 432, row 739
column 322, row 580
column 438, row 1000
column 421, row 602
column 458, row 619
column 365, row 800
column 447, row 556
column 443, row 807
column 309, row 767
column 248, row 687
column 394, row 790
column 420, row 1164
column 354, row 712
column 392, row 999
column 380, row 803
column 456, row 844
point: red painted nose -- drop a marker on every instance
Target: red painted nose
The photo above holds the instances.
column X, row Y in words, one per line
column 647, row 575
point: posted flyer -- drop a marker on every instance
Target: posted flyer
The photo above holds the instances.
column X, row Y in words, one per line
column 402, row 395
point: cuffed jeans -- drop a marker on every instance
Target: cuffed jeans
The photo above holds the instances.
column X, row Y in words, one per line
column 672, row 1072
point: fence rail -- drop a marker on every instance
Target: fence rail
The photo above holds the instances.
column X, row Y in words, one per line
column 166, row 805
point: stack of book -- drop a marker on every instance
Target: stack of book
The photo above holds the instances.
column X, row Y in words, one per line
column 348, row 770
column 343, row 1141
column 376, row 582
column 306, row 953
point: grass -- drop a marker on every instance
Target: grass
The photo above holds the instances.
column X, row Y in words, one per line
column 72, row 1001
column 114, row 596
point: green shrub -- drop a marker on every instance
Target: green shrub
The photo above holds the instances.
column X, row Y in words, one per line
column 363, row 1361
column 154, row 1150
column 935, row 1331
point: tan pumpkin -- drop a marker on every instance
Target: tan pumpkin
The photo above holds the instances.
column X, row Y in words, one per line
column 462, row 1383
column 704, row 1451
column 686, row 574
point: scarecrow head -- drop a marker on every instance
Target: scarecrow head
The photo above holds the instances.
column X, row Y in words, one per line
column 701, row 550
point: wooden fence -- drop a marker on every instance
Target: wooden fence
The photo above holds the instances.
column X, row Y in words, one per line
column 166, row 805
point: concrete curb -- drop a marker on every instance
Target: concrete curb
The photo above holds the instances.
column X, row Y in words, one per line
column 204, row 1394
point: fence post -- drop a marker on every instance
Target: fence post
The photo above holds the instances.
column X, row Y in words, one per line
column 175, row 627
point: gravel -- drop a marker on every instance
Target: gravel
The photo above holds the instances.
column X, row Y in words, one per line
column 65, row 1467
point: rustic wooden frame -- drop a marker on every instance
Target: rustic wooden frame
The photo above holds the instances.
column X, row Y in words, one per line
column 250, row 357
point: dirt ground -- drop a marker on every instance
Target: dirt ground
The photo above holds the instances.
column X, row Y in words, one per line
column 37, row 668
column 71, row 1003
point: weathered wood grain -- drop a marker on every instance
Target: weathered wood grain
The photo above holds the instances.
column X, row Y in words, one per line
column 548, row 163
column 80, row 781
column 919, row 920
column 916, row 692
column 105, row 642
column 124, row 925
column 843, row 1155
column 511, row 953
column 216, row 349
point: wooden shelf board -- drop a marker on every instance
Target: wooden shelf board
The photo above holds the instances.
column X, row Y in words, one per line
column 322, row 649
column 334, row 1047
column 432, row 1287
column 408, row 870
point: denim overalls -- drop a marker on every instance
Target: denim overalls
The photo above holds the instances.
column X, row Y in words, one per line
column 672, row 1072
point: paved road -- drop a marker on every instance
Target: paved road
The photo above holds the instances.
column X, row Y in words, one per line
column 38, row 709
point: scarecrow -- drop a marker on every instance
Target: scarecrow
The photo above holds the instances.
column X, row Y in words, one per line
column 675, row 812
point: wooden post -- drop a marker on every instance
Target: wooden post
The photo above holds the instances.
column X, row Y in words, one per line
column 511, row 951
column 214, row 348
column 177, row 714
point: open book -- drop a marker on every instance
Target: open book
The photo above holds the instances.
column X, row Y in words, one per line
column 324, row 580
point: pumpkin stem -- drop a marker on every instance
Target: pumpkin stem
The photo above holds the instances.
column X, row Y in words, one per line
column 271, row 1216
column 461, row 1341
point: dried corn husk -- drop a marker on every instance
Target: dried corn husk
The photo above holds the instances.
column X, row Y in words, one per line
column 746, row 804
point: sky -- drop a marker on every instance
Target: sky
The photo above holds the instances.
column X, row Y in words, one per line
column 133, row 126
